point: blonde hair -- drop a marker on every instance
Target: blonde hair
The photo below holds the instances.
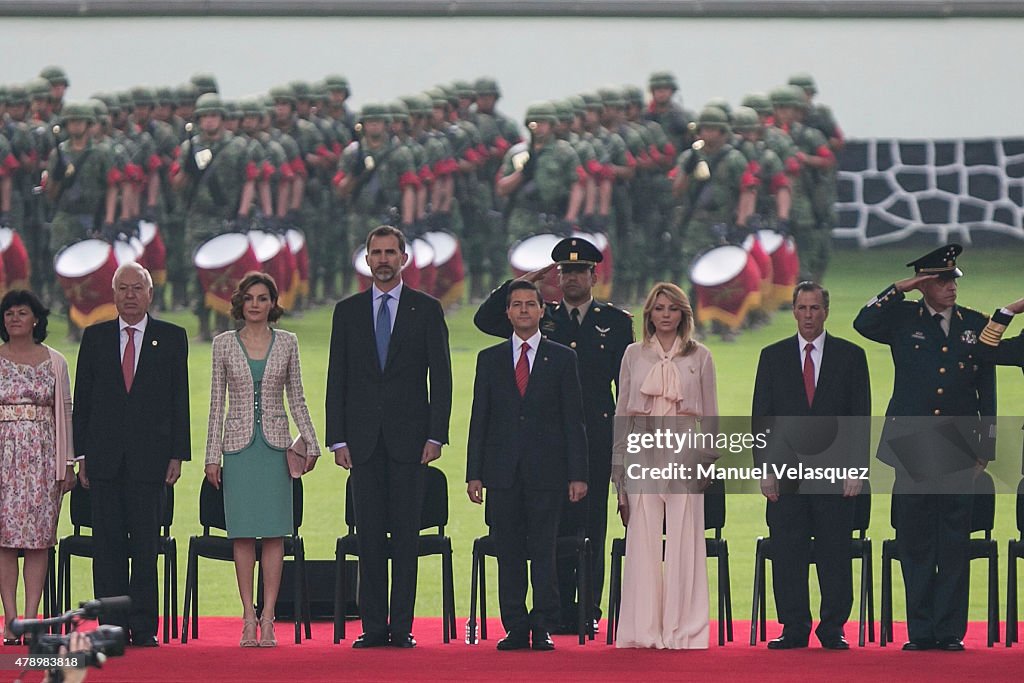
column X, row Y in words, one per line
column 678, row 298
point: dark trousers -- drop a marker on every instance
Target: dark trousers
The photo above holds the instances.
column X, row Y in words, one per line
column 591, row 515
column 793, row 520
column 388, row 498
column 933, row 533
column 126, row 524
column 524, row 524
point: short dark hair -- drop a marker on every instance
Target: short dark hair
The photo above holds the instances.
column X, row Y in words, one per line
column 809, row 286
column 386, row 231
column 522, row 284
column 23, row 297
column 250, row 279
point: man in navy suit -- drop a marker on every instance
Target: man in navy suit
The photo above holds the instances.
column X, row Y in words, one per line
column 527, row 445
column 131, row 429
column 385, row 422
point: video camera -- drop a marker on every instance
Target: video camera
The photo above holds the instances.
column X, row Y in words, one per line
column 106, row 641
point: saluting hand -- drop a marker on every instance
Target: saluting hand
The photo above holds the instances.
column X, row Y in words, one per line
column 536, row 275
column 1016, row 307
column 912, row 283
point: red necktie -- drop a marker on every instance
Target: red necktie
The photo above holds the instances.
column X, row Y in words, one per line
column 809, row 374
column 523, row 370
column 128, row 360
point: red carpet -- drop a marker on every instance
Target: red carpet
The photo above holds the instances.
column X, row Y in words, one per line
column 217, row 657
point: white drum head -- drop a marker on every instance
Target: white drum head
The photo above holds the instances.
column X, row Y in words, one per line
column 147, row 231
column 359, row 262
column 533, row 253
column 265, row 245
column 718, row 266
column 6, row 237
column 770, row 240
column 221, row 251
column 444, row 245
column 423, row 252
column 82, row 258
column 296, row 240
column 124, row 252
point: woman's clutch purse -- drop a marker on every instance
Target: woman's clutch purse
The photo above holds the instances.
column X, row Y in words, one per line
column 296, row 456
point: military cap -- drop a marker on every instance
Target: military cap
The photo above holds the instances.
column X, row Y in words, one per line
column 541, row 111
column 125, row 97
column 634, row 95
column 787, row 96
column 805, row 81
column 232, row 110
column 576, row 251
column 662, row 79
column 564, row 110
column 54, row 75
column 318, row 90
column 165, row 96
column 251, row 107
column 486, row 85
column 335, row 82
column 437, row 96
column 745, row 119
column 282, row 92
column 143, row 97
column 78, row 111
column 38, row 88
column 464, row 89
column 449, row 93
column 418, row 105
column 592, row 100
column 759, row 102
column 205, row 83
column 209, row 103
column 99, row 108
column 941, row 262
column 16, row 94
column 109, row 99
column 713, row 117
column 720, row 103
column 375, row 111
column 611, row 96
column 578, row 105
column 399, row 110
column 302, row 90
column 186, row 94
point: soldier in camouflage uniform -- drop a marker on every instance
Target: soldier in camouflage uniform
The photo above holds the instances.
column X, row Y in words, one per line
column 215, row 179
column 340, row 123
column 566, row 115
column 377, row 176
column 438, row 166
column 184, row 110
column 542, row 179
column 671, row 116
column 338, row 92
column 400, row 133
column 59, row 83
column 810, row 169
column 8, row 165
column 819, row 115
column 82, row 184
column 204, row 83
column 774, row 196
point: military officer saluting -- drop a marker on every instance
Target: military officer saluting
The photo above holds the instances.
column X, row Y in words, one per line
column 996, row 349
column 935, row 352
column 599, row 333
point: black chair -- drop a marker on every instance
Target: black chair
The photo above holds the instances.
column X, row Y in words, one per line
column 983, row 515
column 567, row 547
column 217, row 547
column 434, row 513
column 81, row 545
column 716, row 547
column 1014, row 551
column 860, row 549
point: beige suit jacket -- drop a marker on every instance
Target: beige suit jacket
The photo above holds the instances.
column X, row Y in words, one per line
column 232, row 381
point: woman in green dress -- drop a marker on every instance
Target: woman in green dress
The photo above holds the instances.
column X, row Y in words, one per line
column 253, row 369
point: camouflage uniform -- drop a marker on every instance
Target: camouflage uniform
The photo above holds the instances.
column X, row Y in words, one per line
column 84, row 176
column 25, row 212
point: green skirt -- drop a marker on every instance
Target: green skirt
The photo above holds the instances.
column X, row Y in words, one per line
column 257, row 491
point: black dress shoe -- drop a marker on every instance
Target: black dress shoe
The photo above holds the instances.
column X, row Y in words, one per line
column 145, row 641
column 515, row 640
column 785, row 642
column 919, row 645
column 951, row 645
column 370, row 640
column 404, row 641
column 837, row 643
column 542, row 640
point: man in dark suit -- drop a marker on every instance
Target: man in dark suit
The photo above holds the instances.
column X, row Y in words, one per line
column 131, row 430
column 527, row 441
column 384, row 424
column 804, row 382
column 939, row 374
column 599, row 333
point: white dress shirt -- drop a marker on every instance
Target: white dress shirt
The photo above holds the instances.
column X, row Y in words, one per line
column 392, row 303
column 816, row 353
column 517, row 345
column 140, row 331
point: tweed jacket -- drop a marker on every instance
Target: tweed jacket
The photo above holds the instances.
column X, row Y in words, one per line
column 232, row 380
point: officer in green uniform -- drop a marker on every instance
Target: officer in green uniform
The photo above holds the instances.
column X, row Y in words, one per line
column 377, row 176
column 541, row 179
column 993, row 347
column 216, row 181
column 935, row 347
column 81, row 184
column 599, row 333
column 812, row 168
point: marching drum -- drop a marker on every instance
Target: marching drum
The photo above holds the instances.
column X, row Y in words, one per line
column 15, row 259
column 450, row 272
column 423, row 252
column 785, row 266
column 154, row 252
column 221, row 262
column 85, row 271
column 727, row 285
column 297, row 246
column 764, row 266
column 533, row 253
column 126, row 251
column 276, row 260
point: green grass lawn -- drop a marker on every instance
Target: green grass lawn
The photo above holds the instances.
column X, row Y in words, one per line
column 993, row 278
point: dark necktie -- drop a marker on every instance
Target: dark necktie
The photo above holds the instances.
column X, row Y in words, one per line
column 809, row 374
column 383, row 331
column 523, row 370
column 938, row 321
column 575, row 315
column 128, row 360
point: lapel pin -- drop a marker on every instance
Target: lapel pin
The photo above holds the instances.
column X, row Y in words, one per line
column 154, row 342
column 545, row 359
